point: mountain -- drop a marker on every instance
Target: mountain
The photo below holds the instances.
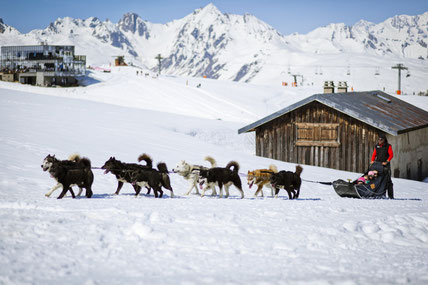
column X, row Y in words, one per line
column 238, row 47
column 401, row 36
column 206, row 42
column 6, row 30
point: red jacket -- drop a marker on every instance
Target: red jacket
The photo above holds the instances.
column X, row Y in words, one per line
column 390, row 154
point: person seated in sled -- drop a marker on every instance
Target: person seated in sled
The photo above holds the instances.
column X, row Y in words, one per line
column 361, row 180
column 367, row 179
column 383, row 153
column 370, row 177
column 376, row 174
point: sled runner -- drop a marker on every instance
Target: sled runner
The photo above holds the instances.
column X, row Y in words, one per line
column 376, row 189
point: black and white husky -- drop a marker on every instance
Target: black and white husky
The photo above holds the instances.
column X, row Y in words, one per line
column 191, row 173
column 153, row 179
column 68, row 173
column 221, row 176
column 123, row 171
column 51, row 159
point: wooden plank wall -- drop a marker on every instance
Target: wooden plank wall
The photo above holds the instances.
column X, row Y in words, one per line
column 276, row 139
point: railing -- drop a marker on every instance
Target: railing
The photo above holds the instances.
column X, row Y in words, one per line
column 43, row 58
column 63, row 73
column 80, row 57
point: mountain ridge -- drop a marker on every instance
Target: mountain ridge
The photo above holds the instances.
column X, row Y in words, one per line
column 218, row 45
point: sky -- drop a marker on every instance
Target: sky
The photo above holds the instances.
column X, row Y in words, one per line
column 301, row 16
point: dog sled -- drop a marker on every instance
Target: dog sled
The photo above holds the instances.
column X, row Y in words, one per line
column 376, row 189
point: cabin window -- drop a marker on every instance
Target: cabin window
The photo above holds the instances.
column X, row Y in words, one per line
column 317, row 134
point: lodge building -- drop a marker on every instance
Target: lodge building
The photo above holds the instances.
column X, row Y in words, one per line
column 42, row 65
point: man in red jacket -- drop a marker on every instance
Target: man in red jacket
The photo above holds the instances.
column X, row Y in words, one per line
column 383, row 153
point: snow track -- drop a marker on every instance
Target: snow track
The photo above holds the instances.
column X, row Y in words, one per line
column 122, row 239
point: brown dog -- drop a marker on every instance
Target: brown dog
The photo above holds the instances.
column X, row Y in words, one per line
column 261, row 177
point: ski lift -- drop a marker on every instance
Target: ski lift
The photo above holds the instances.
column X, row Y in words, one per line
column 408, row 74
column 320, row 73
column 348, row 71
column 289, row 70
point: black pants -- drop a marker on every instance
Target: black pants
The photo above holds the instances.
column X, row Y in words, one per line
column 389, row 185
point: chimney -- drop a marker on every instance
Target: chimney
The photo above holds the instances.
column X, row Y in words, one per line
column 328, row 87
column 342, row 87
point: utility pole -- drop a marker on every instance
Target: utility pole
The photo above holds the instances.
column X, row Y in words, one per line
column 295, row 79
column 159, row 58
column 400, row 67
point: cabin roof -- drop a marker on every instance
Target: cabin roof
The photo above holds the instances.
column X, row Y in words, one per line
column 375, row 108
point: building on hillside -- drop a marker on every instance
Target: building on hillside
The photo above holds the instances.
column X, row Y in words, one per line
column 120, row 61
column 340, row 130
column 42, row 65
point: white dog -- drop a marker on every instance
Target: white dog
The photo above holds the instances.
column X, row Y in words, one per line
column 191, row 173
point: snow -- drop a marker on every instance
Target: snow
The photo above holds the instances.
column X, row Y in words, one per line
column 118, row 239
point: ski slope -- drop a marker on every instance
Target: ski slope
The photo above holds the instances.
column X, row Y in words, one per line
column 318, row 239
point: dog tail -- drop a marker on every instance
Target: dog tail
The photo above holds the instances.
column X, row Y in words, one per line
column 273, row 168
column 299, row 170
column 85, row 163
column 235, row 166
column 211, row 160
column 147, row 159
column 74, row 157
column 162, row 167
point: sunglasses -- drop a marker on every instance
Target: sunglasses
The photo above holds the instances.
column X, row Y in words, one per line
column 380, row 139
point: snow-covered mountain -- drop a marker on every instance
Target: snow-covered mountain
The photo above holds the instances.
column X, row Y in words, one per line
column 401, row 36
column 6, row 30
column 239, row 47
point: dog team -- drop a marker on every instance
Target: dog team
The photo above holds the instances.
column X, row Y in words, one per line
column 77, row 171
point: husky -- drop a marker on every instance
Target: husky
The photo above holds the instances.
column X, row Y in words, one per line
column 67, row 173
column 289, row 180
column 123, row 170
column 81, row 176
column 221, row 176
column 191, row 172
column 261, row 177
column 152, row 178
column 71, row 162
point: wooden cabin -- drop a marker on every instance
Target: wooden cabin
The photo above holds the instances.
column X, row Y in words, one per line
column 340, row 130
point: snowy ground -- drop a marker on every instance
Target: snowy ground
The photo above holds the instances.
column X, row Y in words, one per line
column 317, row 239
